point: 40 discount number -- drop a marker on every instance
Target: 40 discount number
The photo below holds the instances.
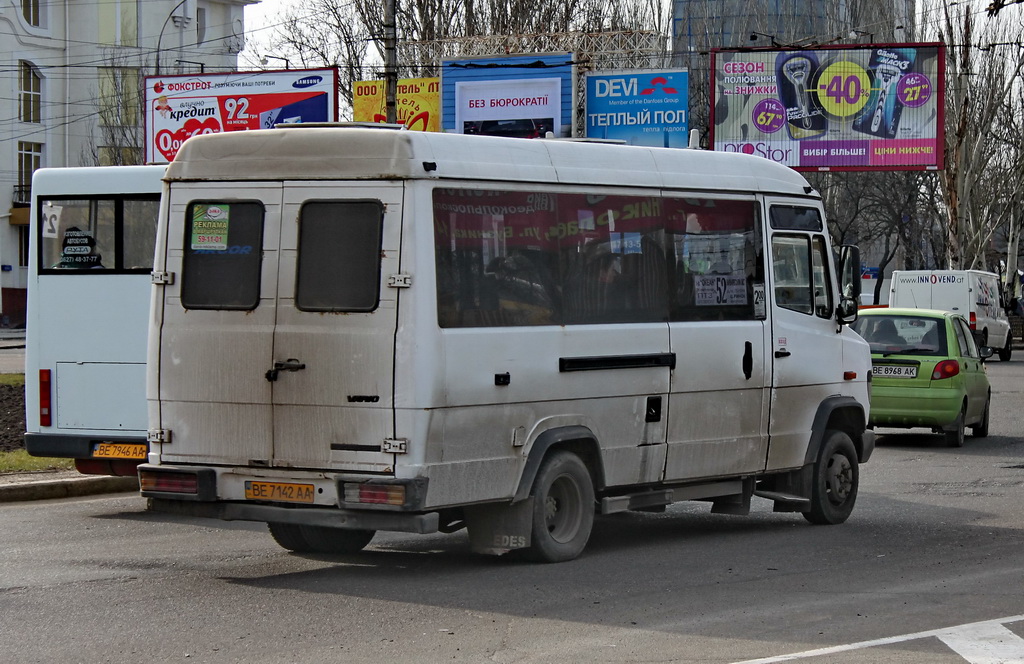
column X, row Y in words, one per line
column 843, row 89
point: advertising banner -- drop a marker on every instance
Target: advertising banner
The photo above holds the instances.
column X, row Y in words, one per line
column 417, row 103
column 178, row 107
column 639, row 107
column 877, row 106
column 522, row 96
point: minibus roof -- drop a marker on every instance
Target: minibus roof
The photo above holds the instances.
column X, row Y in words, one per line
column 346, row 152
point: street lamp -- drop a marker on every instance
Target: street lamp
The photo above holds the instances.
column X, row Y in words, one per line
column 263, row 60
column 160, row 39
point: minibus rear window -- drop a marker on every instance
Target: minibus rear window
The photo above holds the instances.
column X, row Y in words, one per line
column 339, row 256
column 223, row 252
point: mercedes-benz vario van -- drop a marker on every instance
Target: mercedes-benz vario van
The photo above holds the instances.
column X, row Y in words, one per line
column 358, row 329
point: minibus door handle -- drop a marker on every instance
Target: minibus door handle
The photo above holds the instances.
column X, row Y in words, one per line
column 291, row 364
column 782, row 353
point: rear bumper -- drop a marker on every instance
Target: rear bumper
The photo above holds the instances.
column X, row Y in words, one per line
column 72, row 446
column 309, row 516
column 905, row 408
column 196, row 491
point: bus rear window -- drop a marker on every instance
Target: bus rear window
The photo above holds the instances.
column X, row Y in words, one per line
column 113, row 234
column 223, row 254
column 339, row 256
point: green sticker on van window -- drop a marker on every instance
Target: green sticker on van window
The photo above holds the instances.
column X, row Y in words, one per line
column 210, row 227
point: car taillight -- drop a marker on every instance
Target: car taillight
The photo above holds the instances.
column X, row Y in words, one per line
column 974, row 321
column 169, row 482
column 377, row 494
column 945, row 369
column 45, row 411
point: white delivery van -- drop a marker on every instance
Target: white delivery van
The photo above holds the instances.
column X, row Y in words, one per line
column 359, row 329
column 973, row 294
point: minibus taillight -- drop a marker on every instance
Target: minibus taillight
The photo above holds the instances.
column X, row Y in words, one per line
column 169, row 482
column 946, row 369
column 376, row 494
column 974, row 321
column 45, row 412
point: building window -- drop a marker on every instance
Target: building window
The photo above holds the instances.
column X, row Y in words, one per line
column 30, row 157
column 23, row 246
column 119, row 22
column 31, row 93
column 30, row 10
column 119, row 155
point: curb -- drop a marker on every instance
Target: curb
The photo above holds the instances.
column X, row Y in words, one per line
column 67, row 488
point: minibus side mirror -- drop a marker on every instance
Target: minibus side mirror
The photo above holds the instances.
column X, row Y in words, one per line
column 849, row 284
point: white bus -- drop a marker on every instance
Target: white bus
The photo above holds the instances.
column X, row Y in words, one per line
column 90, row 265
column 360, row 329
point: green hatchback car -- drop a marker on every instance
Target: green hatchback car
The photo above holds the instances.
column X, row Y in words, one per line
column 926, row 371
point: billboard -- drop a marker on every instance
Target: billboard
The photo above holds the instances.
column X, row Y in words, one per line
column 417, row 103
column 522, row 96
column 870, row 107
column 178, row 107
column 639, row 107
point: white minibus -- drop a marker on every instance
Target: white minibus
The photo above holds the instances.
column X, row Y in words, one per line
column 360, row 329
column 90, row 258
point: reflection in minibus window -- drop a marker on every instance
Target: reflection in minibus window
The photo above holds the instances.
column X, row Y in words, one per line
column 794, row 218
column 548, row 258
column 223, row 253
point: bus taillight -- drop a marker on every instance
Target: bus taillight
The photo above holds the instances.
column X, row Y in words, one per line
column 45, row 418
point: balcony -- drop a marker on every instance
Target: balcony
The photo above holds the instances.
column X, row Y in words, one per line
column 22, row 195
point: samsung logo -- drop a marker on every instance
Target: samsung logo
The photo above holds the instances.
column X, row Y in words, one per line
column 307, row 82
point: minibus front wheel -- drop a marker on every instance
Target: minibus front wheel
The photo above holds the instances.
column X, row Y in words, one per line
column 319, row 539
column 835, row 480
column 563, row 508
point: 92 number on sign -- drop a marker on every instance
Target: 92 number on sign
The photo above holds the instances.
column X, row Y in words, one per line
column 237, row 109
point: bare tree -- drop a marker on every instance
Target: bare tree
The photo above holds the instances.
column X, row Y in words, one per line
column 982, row 67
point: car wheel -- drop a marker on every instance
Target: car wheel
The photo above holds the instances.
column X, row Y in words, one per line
column 955, row 436
column 318, row 539
column 1007, row 350
column 563, row 509
column 980, row 430
column 835, row 482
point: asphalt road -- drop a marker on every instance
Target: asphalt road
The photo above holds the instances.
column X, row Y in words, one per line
column 929, row 569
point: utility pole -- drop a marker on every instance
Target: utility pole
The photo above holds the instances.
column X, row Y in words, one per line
column 390, row 63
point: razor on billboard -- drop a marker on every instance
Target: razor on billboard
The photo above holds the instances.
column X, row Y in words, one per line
column 869, row 107
column 179, row 107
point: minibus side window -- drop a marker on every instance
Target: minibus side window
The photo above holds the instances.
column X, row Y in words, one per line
column 802, row 280
column 339, row 256
column 820, row 272
column 223, row 252
column 792, row 270
column 717, row 256
column 93, row 234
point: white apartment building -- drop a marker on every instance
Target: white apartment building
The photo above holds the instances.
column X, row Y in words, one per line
column 71, row 77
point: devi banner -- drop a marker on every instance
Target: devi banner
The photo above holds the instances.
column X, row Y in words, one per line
column 417, row 104
column 179, row 107
column 871, row 107
column 641, row 108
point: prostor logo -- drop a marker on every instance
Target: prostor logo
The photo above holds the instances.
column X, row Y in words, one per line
column 766, row 150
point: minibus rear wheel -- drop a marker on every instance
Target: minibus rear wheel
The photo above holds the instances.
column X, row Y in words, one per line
column 836, row 479
column 318, row 539
column 563, row 509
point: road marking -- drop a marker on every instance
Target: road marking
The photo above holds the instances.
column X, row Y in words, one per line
column 985, row 642
column 989, row 643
